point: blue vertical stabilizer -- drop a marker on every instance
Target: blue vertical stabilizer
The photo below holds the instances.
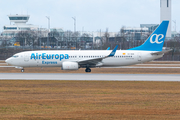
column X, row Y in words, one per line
column 156, row 39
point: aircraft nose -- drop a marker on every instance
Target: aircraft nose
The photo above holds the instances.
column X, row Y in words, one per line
column 8, row 61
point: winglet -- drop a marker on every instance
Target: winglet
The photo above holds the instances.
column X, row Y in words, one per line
column 108, row 48
column 113, row 52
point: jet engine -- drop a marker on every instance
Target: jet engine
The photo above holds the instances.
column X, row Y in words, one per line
column 70, row 66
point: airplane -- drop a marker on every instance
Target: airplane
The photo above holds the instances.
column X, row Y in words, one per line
column 74, row 59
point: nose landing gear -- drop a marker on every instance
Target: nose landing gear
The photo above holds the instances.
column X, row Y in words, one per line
column 87, row 70
column 22, row 70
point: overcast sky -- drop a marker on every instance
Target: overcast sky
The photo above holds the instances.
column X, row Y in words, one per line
column 93, row 15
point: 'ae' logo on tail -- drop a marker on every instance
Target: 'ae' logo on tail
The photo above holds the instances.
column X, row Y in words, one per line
column 156, row 39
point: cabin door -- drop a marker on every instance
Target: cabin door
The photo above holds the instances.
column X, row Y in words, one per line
column 26, row 57
column 139, row 57
column 38, row 61
column 77, row 57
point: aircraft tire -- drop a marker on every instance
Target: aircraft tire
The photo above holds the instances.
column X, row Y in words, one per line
column 22, row 70
column 87, row 70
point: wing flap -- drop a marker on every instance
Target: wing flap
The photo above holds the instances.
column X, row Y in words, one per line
column 90, row 61
column 95, row 61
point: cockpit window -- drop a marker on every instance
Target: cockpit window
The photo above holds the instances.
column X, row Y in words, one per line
column 15, row 56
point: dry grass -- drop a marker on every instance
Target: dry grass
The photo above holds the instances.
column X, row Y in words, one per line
column 106, row 70
column 96, row 70
column 1, row 61
column 3, row 64
column 163, row 62
column 96, row 100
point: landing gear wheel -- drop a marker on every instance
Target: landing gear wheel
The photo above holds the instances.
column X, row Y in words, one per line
column 22, row 70
column 88, row 70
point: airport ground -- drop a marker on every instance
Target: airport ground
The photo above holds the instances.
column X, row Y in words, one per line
column 154, row 68
column 96, row 100
column 97, row 70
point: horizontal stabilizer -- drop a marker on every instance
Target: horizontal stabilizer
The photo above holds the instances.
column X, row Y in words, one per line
column 161, row 52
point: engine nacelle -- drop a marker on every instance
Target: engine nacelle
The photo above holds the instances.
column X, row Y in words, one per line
column 70, row 66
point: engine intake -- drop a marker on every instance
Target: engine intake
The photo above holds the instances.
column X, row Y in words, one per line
column 70, row 66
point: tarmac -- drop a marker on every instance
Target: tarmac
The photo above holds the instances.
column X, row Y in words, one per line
column 89, row 76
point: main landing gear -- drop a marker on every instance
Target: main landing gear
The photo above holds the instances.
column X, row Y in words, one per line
column 88, row 70
column 22, row 70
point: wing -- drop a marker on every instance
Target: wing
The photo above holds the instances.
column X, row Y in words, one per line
column 96, row 61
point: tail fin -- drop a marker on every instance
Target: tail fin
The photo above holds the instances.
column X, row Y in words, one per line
column 156, row 39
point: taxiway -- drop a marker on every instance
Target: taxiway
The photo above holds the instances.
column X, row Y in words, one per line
column 90, row 76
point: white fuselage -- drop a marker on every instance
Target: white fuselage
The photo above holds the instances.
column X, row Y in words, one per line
column 55, row 58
